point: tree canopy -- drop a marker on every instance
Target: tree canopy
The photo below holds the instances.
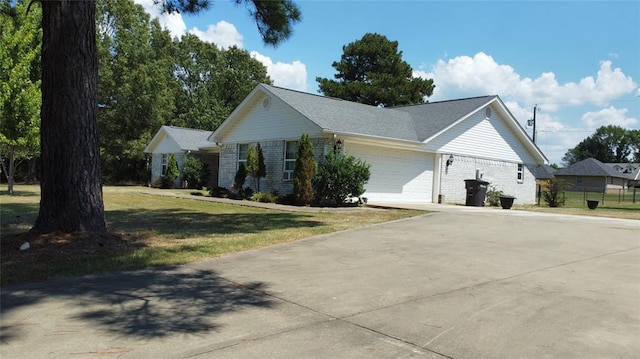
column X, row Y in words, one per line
column 371, row 71
column 146, row 79
column 21, row 37
column 608, row 144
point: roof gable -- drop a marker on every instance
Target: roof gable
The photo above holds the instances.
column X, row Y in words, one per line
column 187, row 139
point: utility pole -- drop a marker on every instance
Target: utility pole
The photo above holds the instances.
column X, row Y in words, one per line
column 533, row 122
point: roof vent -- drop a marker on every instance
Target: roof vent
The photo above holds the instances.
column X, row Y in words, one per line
column 487, row 112
column 266, row 103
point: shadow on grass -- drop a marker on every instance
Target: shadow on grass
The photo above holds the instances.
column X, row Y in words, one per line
column 17, row 215
column 183, row 223
column 20, row 193
column 146, row 304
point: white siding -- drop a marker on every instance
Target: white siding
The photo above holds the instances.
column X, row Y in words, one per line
column 167, row 145
column 484, row 138
column 258, row 123
column 396, row 175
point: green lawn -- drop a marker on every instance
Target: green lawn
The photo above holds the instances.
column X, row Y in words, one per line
column 149, row 230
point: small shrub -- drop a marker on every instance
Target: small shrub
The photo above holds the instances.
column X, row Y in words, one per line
column 166, row 182
column 554, row 195
column 246, row 193
column 219, row 192
column 493, row 196
column 240, row 178
column 289, row 199
column 264, row 197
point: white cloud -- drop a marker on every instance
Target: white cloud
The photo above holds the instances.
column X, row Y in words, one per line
column 172, row 22
column 482, row 75
column 288, row 75
column 222, row 34
column 608, row 116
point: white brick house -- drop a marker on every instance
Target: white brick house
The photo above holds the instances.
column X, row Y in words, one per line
column 419, row 153
column 182, row 142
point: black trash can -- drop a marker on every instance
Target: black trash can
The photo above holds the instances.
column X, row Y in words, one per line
column 476, row 192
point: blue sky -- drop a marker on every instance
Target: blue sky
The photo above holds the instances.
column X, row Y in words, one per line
column 579, row 61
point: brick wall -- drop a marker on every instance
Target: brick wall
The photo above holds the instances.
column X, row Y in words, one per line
column 273, row 152
column 500, row 174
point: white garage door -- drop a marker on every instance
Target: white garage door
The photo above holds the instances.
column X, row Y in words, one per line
column 396, row 175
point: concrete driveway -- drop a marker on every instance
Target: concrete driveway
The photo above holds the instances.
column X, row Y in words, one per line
column 462, row 283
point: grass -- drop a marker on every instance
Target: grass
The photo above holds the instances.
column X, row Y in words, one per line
column 610, row 205
column 148, row 230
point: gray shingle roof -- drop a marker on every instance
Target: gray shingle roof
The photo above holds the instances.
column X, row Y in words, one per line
column 412, row 123
column 338, row 115
column 189, row 139
column 543, row 171
column 590, row 167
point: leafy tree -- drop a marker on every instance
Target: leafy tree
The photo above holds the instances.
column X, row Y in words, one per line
column 304, row 172
column 340, row 176
column 136, row 87
column 21, row 38
column 634, row 135
column 195, row 173
column 371, row 71
column 609, row 144
column 255, row 165
column 211, row 82
column 71, row 184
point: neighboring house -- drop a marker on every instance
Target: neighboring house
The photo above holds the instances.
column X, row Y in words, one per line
column 182, row 142
column 591, row 175
column 543, row 173
column 419, row 153
column 631, row 169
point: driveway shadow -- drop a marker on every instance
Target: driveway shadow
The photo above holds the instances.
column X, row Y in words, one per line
column 146, row 304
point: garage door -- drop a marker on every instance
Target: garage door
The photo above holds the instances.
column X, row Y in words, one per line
column 396, row 175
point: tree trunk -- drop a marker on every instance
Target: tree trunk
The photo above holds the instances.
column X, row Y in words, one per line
column 10, row 171
column 71, row 188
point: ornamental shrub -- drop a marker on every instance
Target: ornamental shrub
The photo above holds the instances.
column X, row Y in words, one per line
column 493, row 196
column 172, row 173
column 255, row 165
column 239, row 179
column 195, row 173
column 304, row 172
column 554, row 194
column 340, row 176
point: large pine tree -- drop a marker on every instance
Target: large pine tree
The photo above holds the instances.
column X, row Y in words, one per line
column 71, row 184
column 372, row 71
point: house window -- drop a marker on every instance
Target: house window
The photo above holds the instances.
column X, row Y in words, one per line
column 165, row 161
column 578, row 180
column 243, row 149
column 520, row 172
column 290, row 155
